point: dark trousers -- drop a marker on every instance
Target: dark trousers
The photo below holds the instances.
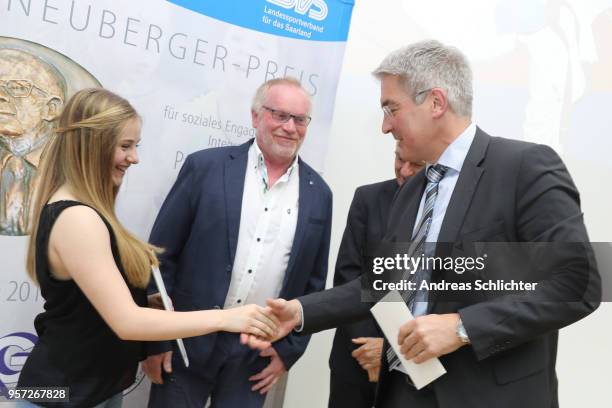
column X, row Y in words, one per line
column 225, row 379
column 395, row 392
column 354, row 393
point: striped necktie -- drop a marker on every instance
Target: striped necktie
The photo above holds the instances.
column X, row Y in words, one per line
column 417, row 247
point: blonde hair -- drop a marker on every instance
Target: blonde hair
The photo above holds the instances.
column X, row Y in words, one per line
column 80, row 154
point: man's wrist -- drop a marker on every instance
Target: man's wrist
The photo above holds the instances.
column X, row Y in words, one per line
column 299, row 324
column 462, row 333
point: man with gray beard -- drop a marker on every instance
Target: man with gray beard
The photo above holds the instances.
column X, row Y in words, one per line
column 32, row 94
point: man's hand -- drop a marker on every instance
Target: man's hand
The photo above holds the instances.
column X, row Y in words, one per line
column 289, row 314
column 268, row 376
column 152, row 366
column 429, row 336
column 373, row 374
column 368, row 354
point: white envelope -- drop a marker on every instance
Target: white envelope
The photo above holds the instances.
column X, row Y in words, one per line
column 390, row 314
column 168, row 306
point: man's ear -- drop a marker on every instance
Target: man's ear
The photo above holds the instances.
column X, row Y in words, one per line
column 254, row 118
column 440, row 102
column 52, row 108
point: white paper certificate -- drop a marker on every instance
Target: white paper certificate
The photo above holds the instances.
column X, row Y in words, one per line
column 390, row 314
column 168, row 306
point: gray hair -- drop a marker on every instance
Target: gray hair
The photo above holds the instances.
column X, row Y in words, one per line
column 430, row 64
column 262, row 92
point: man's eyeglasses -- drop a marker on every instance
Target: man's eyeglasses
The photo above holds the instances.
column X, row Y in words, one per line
column 283, row 117
column 390, row 112
column 20, row 88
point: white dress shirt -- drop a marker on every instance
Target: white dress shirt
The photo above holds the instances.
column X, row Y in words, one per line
column 267, row 227
column 452, row 157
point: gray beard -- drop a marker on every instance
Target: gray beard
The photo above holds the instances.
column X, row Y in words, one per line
column 29, row 141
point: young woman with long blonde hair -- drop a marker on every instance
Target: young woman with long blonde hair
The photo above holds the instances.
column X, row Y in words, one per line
column 93, row 272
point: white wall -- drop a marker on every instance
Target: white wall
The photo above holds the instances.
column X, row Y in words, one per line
column 512, row 82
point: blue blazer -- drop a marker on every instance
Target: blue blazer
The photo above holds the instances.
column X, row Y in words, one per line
column 198, row 228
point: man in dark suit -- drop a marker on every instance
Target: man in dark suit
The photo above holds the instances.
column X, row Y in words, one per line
column 241, row 224
column 499, row 349
column 355, row 356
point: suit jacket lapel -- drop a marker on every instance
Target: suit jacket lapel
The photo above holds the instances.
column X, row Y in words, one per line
column 305, row 204
column 384, row 203
column 464, row 189
column 459, row 203
column 234, row 176
column 405, row 208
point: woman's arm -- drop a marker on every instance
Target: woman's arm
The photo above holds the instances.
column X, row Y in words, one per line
column 79, row 249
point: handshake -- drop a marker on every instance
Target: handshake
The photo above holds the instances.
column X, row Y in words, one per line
column 420, row 339
column 287, row 315
column 271, row 323
column 259, row 327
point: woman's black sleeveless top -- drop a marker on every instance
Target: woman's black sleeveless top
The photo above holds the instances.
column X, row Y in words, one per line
column 75, row 347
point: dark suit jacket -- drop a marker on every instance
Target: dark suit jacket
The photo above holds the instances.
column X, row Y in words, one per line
column 198, row 227
column 508, row 191
column 365, row 225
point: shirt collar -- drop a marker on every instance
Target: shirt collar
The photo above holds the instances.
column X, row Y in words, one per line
column 260, row 165
column 454, row 155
